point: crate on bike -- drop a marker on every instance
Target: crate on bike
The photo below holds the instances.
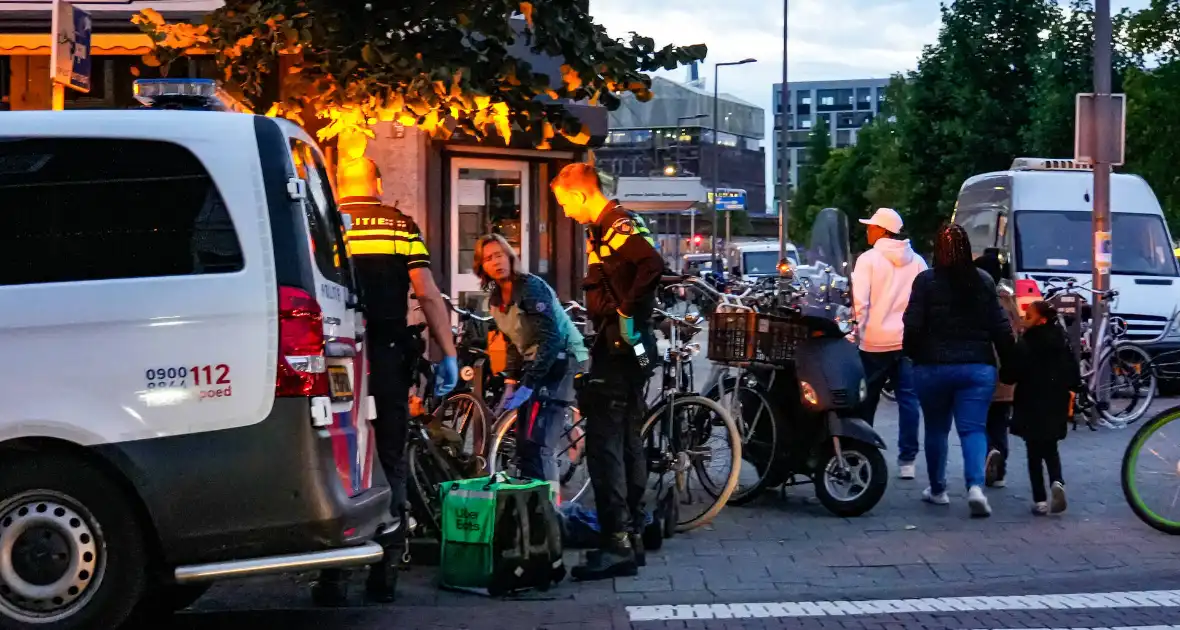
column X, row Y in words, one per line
column 499, row 535
column 748, row 337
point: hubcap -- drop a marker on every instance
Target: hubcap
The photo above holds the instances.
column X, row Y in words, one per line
column 848, row 482
column 49, row 556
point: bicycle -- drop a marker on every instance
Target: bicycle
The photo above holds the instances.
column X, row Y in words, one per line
column 1116, row 371
column 1162, row 458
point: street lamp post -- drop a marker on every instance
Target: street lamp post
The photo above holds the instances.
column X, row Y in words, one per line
column 784, row 153
column 1102, row 158
column 692, row 213
column 716, row 149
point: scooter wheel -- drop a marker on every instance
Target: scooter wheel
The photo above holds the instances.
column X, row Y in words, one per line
column 857, row 489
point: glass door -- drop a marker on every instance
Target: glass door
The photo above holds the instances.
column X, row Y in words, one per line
column 487, row 196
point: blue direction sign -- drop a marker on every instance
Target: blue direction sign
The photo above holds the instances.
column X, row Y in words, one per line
column 69, row 62
column 730, row 199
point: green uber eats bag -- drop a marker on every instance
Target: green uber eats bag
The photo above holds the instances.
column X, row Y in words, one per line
column 499, row 535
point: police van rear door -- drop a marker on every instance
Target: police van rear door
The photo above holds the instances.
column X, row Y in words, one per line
column 336, row 293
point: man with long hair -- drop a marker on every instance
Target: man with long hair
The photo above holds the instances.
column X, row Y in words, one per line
column 623, row 275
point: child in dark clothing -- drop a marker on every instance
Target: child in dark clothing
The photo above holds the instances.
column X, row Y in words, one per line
column 1046, row 376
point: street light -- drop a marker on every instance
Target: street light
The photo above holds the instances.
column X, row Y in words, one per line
column 784, row 174
column 669, row 170
column 716, row 161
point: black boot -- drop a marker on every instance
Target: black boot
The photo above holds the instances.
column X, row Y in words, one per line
column 615, row 559
column 381, row 585
column 331, row 589
column 638, row 549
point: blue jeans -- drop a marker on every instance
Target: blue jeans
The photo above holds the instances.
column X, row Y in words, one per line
column 962, row 392
column 881, row 367
column 540, row 423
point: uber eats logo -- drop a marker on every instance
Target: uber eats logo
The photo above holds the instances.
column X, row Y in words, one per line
column 466, row 520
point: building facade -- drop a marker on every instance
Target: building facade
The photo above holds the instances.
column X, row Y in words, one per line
column 675, row 129
column 456, row 190
column 841, row 106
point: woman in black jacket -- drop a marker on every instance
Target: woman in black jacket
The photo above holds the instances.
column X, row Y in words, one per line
column 1046, row 376
column 954, row 328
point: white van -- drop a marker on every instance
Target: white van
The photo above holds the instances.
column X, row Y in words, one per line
column 759, row 259
column 184, row 385
column 1039, row 215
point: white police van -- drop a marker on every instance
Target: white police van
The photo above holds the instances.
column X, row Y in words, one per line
column 1039, row 215
column 184, row 386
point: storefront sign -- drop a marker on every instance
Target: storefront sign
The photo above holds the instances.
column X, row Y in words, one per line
column 663, row 194
column 69, row 51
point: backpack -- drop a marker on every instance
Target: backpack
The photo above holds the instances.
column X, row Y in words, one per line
column 499, row 535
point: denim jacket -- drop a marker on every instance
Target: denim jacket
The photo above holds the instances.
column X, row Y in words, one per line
column 539, row 333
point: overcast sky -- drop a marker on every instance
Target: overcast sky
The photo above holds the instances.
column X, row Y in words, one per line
column 829, row 39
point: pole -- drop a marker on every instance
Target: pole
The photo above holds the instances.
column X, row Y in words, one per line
column 1102, row 157
column 784, row 174
column 728, row 214
column 716, row 165
column 59, row 97
column 692, row 230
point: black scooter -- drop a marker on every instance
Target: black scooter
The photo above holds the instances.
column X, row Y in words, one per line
column 817, row 436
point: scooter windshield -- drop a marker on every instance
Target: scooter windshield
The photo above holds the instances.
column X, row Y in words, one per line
column 825, row 281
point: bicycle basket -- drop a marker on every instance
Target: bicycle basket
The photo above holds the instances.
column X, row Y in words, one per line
column 754, row 338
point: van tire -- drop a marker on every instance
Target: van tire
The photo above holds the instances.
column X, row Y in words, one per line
column 81, row 495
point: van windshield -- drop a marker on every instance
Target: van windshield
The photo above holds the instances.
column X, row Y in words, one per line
column 1053, row 241
column 763, row 263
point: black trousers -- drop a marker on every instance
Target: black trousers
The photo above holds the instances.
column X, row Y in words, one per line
column 1042, row 454
column 611, row 400
column 999, row 416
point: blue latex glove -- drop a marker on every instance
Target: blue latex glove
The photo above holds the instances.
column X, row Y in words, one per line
column 519, row 397
column 627, row 329
column 446, row 376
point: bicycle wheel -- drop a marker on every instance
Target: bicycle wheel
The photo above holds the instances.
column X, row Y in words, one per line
column 571, row 464
column 425, row 478
column 687, row 457
column 758, row 424
column 1151, row 472
column 467, row 415
column 1130, row 383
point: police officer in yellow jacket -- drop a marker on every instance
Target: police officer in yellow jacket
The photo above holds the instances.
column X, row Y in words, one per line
column 390, row 259
column 621, row 284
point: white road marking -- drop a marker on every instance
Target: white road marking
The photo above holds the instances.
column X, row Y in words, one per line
column 1114, row 628
column 1078, row 601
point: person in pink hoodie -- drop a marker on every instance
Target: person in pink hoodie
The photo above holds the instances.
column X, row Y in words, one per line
column 881, row 284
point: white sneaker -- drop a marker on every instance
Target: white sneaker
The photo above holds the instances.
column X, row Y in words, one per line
column 978, row 502
column 937, row 499
column 907, row 471
column 999, row 483
column 1057, row 503
column 1040, row 508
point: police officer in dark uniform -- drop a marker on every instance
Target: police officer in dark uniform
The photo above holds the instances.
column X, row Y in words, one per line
column 622, row 281
column 390, row 258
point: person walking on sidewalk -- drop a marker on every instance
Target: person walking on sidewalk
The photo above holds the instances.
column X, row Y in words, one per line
column 1046, row 376
column 623, row 275
column 545, row 351
column 999, row 414
column 881, row 283
column 954, row 330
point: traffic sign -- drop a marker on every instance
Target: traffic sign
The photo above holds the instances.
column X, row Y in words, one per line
column 69, row 62
column 1086, row 149
column 730, row 199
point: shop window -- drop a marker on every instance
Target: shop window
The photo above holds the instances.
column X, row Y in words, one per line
column 489, row 201
column 81, row 209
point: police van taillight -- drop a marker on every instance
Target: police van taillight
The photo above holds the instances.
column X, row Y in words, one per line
column 302, row 369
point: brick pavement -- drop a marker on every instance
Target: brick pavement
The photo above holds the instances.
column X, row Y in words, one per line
column 788, row 548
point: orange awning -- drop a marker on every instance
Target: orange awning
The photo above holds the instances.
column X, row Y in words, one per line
column 100, row 44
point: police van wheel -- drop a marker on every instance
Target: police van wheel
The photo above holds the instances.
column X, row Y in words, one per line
column 72, row 554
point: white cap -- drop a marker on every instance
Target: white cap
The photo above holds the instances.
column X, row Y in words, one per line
column 886, row 218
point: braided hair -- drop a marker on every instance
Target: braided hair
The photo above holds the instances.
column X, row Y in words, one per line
column 952, row 257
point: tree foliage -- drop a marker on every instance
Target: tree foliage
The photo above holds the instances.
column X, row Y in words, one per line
column 442, row 66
